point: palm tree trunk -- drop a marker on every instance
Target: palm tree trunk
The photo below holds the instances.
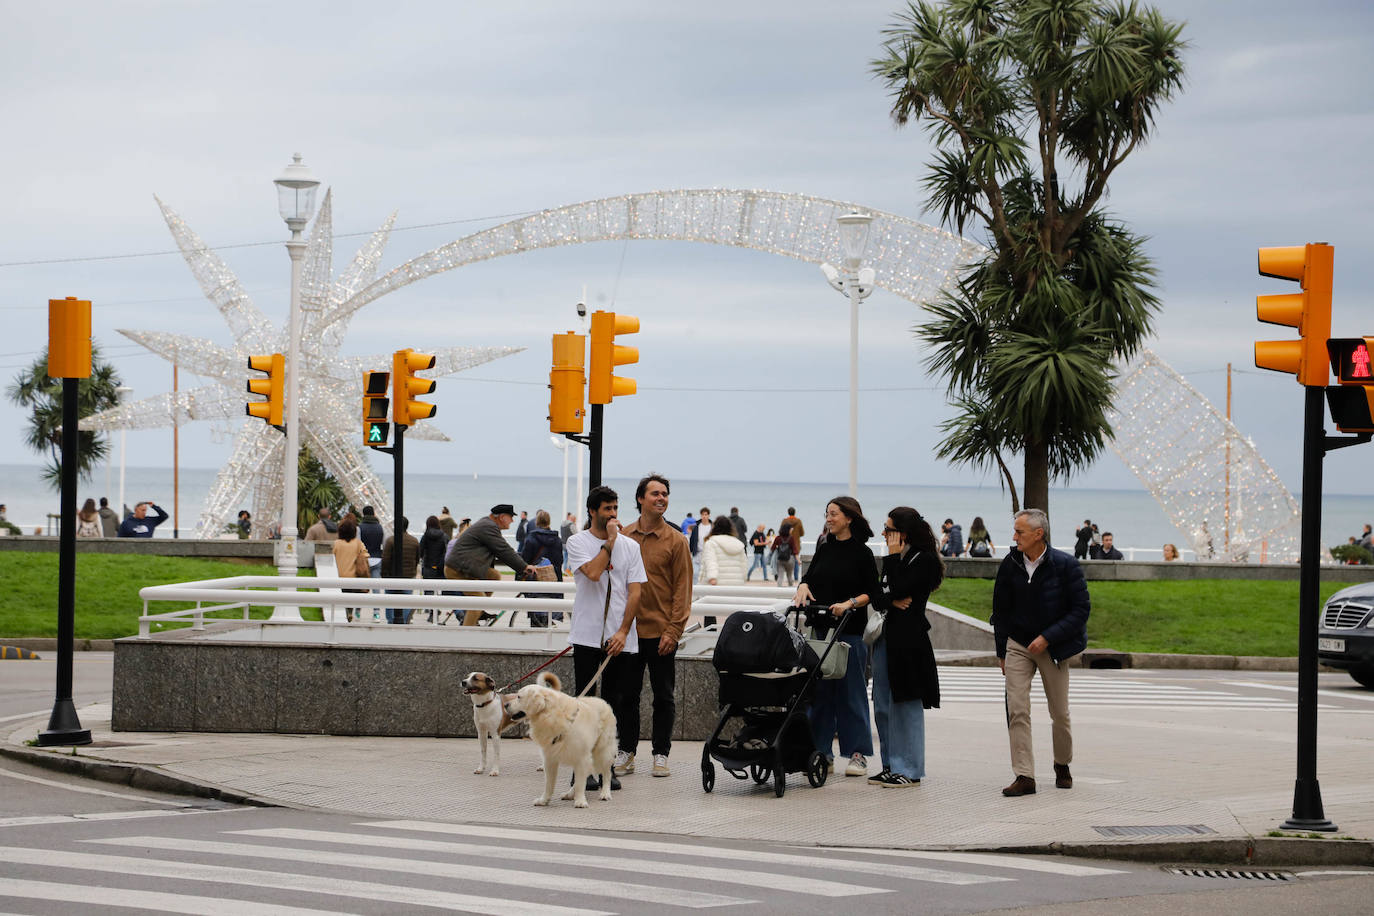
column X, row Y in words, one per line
column 1011, row 481
column 1037, row 472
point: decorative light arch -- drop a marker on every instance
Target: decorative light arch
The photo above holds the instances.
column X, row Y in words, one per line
column 912, row 260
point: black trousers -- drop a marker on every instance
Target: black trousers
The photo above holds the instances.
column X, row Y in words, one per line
column 586, row 659
column 663, row 682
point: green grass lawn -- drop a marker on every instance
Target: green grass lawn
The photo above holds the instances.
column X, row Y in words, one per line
column 1201, row 616
column 107, row 602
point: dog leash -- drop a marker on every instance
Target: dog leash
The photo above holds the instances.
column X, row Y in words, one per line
column 535, row 671
column 605, row 615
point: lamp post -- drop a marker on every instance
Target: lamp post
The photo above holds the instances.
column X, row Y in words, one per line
column 855, row 283
column 121, row 391
column 296, row 201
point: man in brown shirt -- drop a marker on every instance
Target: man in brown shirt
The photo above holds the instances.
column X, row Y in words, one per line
column 665, row 601
column 798, row 529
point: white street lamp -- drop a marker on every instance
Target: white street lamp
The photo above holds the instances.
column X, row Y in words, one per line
column 296, row 200
column 856, row 283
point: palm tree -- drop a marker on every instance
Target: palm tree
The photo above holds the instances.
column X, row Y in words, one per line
column 315, row 487
column 1017, row 94
column 33, row 388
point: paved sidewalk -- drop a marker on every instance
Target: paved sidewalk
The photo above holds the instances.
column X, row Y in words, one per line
column 1177, row 775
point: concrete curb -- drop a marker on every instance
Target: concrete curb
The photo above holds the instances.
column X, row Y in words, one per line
column 48, row 644
column 1252, row 851
column 133, row 775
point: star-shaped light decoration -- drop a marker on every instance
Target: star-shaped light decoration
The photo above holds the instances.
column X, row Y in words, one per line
column 331, row 384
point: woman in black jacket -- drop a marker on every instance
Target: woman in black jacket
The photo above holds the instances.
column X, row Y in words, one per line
column 905, row 680
column 433, row 543
column 543, row 543
column 844, row 576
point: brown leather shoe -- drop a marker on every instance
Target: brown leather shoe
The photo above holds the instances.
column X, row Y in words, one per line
column 1022, row 785
column 1062, row 778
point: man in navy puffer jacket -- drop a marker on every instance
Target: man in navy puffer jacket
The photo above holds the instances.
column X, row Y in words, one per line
column 1040, row 609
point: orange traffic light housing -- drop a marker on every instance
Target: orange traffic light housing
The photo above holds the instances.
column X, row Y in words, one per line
column 1352, row 407
column 69, row 338
column 1309, row 311
column 405, row 410
column 376, row 404
column 566, row 380
column 602, row 383
column 272, row 410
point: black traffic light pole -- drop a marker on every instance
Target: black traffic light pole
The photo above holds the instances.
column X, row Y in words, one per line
column 64, row 726
column 594, row 446
column 397, row 543
column 1308, row 813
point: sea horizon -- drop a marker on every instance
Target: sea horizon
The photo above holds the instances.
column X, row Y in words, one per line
column 1136, row 519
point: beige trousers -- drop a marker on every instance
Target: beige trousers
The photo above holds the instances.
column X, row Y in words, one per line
column 1020, row 673
column 471, row 618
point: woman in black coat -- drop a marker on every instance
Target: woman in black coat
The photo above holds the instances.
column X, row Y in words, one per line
column 433, row 543
column 905, row 680
column 843, row 575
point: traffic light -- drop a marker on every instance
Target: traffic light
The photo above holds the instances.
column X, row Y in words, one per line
column 1352, row 404
column 376, row 429
column 273, row 409
column 1309, row 311
column 602, row 385
column 404, row 387
column 1350, row 359
column 1352, row 407
column 566, row 379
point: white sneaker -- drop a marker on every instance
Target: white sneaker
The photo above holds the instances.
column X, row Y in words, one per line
column 858, row 766
column 660, row 765
column 624, row 763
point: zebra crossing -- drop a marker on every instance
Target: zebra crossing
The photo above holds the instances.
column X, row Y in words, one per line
column 395, row 865
column 1101, row 688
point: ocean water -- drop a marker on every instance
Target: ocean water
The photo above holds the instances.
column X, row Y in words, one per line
column 1133, row 516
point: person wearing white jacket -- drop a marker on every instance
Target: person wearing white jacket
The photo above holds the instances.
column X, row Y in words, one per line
column 724, row 557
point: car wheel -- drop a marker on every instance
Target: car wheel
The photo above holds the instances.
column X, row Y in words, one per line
column 1365, row 676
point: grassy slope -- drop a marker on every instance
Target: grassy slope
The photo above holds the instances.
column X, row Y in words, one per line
column 107, row 602
column 1203, row 616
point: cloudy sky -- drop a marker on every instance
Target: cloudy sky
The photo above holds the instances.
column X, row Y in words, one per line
column 462, row 115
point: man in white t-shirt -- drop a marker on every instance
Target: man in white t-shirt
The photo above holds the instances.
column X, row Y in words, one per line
column 601, row 558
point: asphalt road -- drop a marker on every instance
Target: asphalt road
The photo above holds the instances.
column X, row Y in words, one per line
column 73, row 847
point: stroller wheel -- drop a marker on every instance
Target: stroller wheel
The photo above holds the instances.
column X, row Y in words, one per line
column 817, row 769
column 759, row 773
column 708, row 776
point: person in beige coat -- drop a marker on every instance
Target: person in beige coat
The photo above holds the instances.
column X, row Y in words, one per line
column 350, row 559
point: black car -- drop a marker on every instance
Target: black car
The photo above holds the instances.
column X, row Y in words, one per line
column 1346, row 637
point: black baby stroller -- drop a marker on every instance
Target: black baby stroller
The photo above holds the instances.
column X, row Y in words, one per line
column 768, row 672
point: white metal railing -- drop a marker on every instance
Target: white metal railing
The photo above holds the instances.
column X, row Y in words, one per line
column 241, row 593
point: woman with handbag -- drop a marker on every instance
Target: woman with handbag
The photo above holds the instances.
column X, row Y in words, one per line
column 844, row 577
column 350, row 559
column 905, row 680
column 543, row 550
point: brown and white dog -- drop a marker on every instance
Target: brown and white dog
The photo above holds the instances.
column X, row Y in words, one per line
column 577, row 731
column 488, row 716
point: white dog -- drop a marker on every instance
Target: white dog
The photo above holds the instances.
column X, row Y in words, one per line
column 577, row 731
column 488, row 716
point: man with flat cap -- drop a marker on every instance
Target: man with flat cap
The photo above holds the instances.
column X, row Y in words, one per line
column 475, row 553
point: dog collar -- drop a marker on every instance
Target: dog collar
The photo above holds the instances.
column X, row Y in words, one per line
column 480, row 705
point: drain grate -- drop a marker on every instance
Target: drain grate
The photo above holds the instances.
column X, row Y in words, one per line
column 1230, row 874
column 1158, row 830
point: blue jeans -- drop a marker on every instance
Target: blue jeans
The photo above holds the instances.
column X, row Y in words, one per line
column 901, row 725
column 842, row 706
column 398, row 615
column 758, row 561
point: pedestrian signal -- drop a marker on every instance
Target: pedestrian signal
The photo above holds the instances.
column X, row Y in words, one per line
column 376, row 431
column 602, row 384
column 1350, row 359
column 566, row 378
column 1352, row 407
column 1309, row 311
column 272, row 387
